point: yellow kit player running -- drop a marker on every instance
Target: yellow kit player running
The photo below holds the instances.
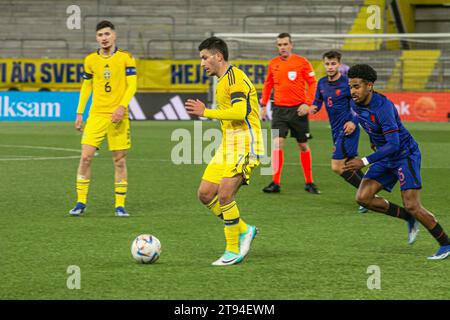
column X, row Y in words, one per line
column 239, row 152
column 110, row 73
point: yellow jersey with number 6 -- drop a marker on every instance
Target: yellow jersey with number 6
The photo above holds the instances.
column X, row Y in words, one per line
column 109, row 78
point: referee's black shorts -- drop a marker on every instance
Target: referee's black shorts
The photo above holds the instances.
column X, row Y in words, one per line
column 285, row 119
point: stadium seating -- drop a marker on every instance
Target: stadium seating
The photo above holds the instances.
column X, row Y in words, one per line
column 140, row 21
column 172, row 29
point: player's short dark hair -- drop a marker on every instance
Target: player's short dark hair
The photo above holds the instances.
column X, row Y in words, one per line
column 285, row 35
column 104, row 24
column 215, row 44
column 332, row 55
column 362, row 71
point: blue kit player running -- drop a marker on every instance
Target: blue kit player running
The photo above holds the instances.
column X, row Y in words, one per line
column 333, row 90
column 397, row 158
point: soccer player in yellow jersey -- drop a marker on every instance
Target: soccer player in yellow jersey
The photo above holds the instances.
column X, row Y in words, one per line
column 110, row 74
column 240, row 149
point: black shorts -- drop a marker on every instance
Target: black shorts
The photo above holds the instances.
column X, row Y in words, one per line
column 285, row 119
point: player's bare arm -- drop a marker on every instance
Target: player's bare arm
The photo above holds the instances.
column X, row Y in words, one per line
column 263, row 113
column 353, row 165
column 79, row 122
column 195, row 107
column 349, row 127
column 118, row 114
column 304, row 109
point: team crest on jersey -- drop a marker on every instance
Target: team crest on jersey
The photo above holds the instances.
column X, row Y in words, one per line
column 292, row 75
column 338, row 92
column 106, row 73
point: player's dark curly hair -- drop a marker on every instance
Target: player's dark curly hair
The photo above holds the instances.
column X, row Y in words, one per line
column 215, row 44
column 104, row 24
column 362, row 71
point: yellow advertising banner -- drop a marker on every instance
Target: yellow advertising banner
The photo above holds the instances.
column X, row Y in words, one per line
column 187, row 75
column 153, row 75
column 41, row 73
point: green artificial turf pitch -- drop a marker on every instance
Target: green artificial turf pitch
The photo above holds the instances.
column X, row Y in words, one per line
column 310, row 246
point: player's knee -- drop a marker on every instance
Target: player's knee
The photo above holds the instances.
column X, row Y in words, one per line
column 303, row 147
column 363, row 198
column 337, row 168
column 412, row 207
column 278, row 143
column 204, row 196
column 225, row 197
column 86, row 159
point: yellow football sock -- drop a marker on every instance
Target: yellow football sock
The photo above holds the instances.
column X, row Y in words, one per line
column 120, row 188
column 242, row 226
column 214, row 206
column 230, row 213
column 82, row 190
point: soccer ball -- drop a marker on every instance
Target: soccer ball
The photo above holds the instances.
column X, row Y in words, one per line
column 146, row 248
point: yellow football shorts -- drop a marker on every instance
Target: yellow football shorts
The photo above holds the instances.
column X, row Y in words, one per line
column 99, row 126
column 230, row 165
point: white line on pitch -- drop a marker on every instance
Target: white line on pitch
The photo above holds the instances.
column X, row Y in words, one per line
column 38, row 159
column 40, row 147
